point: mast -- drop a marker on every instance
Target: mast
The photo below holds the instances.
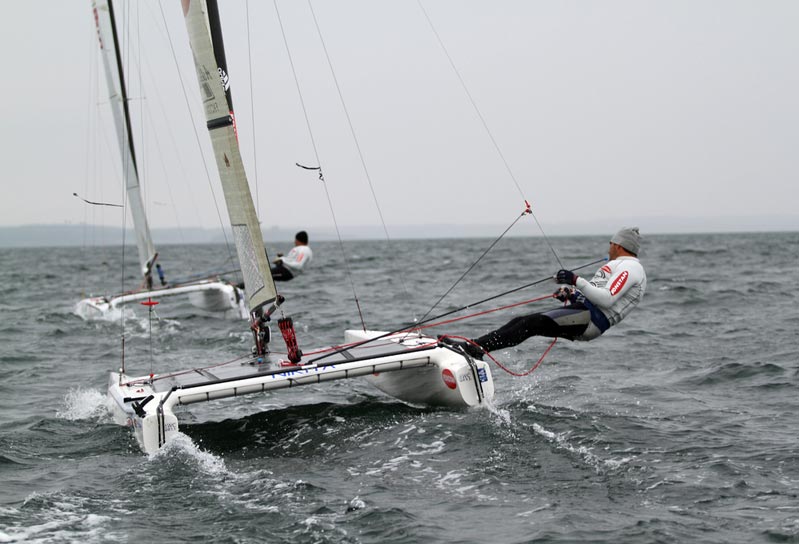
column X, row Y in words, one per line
column 202, row 22
column 106, row 28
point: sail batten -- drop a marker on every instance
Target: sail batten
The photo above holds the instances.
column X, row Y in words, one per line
column 201, row 23
column 115, row 79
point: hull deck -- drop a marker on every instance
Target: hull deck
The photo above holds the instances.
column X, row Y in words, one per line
column 248, row 369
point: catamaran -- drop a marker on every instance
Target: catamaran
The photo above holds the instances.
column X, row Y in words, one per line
column 210, row 293
column 405, row 364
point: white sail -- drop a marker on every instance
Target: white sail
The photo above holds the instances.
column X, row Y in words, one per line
column 109, row 46
column 259, row 286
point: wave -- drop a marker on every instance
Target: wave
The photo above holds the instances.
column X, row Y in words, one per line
column 732, row 372
column 58, row 517
column 8, row 460
column 82, row 404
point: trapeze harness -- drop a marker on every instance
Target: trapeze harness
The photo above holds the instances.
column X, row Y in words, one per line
column 616, row 288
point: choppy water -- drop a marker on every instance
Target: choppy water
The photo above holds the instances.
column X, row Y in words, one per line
column 679, row 425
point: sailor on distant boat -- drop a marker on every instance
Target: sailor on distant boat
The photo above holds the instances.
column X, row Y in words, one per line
column 285, row 268
column 591, row 309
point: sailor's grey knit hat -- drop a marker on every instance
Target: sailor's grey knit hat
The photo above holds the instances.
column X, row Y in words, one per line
column 629, row 239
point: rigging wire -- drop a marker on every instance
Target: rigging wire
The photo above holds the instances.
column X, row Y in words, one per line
column 252, row 111
column 164, row 168
column 125, row 160
column 355, row 139
column 181, row 170
column 89, row 110
column 495, row 242
column 484, row 312
column 353, row 345
column 414, row 326
column 151, row 304
column 319, row 163
column 142, row 163
column 194, row 128
column 485, row 125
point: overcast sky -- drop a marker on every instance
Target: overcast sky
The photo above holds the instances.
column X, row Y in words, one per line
column 612, row 111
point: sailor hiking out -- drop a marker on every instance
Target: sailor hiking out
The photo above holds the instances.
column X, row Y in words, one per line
column 591, row 306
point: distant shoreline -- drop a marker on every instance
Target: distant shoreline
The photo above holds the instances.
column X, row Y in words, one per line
column 72, row 235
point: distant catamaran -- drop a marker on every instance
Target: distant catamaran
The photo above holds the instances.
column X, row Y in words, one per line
column 208, row 293
column 405, row 364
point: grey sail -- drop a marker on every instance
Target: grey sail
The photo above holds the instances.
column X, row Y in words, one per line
column 213, row 81
column 114, row 74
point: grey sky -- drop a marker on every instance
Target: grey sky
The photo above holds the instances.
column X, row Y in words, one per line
column 629, row 110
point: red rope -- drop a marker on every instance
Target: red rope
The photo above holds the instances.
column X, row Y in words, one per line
column 438, row 324
column 540, row 360
column 484, row 312
column 500, row 365
column 429, row 325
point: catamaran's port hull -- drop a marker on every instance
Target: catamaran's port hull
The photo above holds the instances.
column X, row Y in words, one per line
column 411, row 369
column 210, row 296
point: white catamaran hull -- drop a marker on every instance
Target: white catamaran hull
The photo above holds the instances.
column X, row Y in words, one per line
column 413, row 369
column 450, row 381
column 209, row 295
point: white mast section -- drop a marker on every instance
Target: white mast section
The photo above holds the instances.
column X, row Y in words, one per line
column 109, row 47
column 258, row 283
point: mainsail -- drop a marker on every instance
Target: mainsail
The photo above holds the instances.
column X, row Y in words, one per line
column 202, row 22
column 115, row 77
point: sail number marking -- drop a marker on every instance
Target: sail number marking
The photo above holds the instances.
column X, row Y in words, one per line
column 303, row 371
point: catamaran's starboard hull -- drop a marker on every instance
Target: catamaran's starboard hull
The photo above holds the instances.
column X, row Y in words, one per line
column 411, row 368
column 452, row 380
column 210, row 296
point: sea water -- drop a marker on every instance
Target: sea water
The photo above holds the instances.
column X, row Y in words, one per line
column 678, row 425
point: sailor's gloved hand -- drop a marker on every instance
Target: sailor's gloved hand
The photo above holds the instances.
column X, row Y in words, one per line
column 577, row 297
column 566, row 276
column 563, row 294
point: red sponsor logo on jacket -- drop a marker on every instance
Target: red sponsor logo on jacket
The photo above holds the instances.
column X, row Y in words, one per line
column 619, row 283
column 606, row 269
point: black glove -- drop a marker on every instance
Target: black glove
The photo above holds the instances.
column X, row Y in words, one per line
column 577, row 297
column 563, row 294
column 566, row 276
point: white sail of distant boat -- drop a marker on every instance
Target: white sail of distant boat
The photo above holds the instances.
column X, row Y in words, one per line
column 120, row 110
column 408, row 366
column 208, row 293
